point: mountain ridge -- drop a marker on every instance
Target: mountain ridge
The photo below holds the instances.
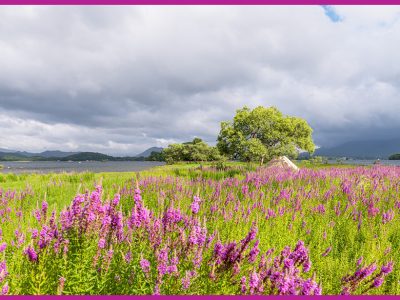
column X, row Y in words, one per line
column 367, row 149
column 52, row 155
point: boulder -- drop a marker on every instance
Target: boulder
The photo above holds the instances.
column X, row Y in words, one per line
column 282, row 162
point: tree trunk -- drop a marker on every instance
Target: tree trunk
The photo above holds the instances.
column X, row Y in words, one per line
column 262, row 160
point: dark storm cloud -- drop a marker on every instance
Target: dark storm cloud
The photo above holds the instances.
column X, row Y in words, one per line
column 120, row 79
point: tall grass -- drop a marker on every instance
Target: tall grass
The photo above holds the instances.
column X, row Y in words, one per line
column 193, row 229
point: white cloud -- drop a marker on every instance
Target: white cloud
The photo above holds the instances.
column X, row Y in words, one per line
column 120, row 79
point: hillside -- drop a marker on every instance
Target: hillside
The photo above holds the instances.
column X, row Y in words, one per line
column 82, row 156
column 371, row 149
column 147, row 152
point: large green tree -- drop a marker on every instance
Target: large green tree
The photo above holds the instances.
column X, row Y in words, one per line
column 263, row 133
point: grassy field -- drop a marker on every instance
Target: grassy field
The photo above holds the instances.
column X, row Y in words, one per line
column 202, row 229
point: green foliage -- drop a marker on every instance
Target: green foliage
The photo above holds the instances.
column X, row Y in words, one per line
column 197, row 150
column 394, row 156
column 263, row 133
column 315, row 161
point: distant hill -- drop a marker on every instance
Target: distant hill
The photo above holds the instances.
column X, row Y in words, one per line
column 371, row 149
column 56, row 153
column 46, row 154
column 7, row 150
column 147, row 152
column 82, row 156
column 12, row 156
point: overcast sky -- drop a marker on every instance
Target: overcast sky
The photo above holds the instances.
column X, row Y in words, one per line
column 121, row 79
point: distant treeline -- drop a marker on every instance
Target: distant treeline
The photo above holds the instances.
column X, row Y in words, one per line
column 83, row 156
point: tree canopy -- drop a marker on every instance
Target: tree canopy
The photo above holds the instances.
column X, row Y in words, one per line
column 196, row 150
column 263, row 133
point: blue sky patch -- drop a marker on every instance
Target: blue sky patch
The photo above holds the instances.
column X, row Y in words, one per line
column 331, row 13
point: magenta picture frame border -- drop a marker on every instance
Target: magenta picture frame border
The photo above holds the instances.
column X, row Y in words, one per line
column 201, row 2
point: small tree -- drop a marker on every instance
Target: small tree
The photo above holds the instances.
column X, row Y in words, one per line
column 263, row 133
column 196, row 150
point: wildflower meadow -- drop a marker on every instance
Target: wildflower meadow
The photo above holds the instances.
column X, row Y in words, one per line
column 189, row 230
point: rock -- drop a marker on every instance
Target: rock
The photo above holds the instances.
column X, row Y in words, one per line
column 282, row 162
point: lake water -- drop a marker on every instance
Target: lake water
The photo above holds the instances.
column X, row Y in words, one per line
column 367, row 162
column 65, row 166
column 117, row 166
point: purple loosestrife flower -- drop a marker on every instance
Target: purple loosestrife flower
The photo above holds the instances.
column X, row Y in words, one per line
column 388, row 268
column 5, row 289
column 210, row 239
column 76, row 205
column 327, row 251
column 3, row 271
column 137, row 197
column 102, row 243
column 269, row 252
column 144, row 215
column 186, row 280
column 66, row 220
column 157, row 289
column 307, row 287
column 198, row 258
column 254, row 252
column 128, row 257
column 307, row 266
column 369, row 270
column 3, row 247
column 250, row 236
column 106, row 221
column 359, row 261
column 145, row 265
column 117, row 225
column 45, row 237
column 65, row 249
column 387, row 216
column 134, row 220
column 253, row 282
column 116, row 200
column 171, row 216
column 245, row 189
column 318, row 291
column 61, row 283
column 31, row 253
column 219, row 252
column 288, row 263
column 45, row 206
column 37, row 215
column 378, row 281
column 300, row 253
column 243, row 286
column 162, row 259
column 236, row 268
column 110, row 255
column 195, row 206
column 91, row 216
column 198, row 235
